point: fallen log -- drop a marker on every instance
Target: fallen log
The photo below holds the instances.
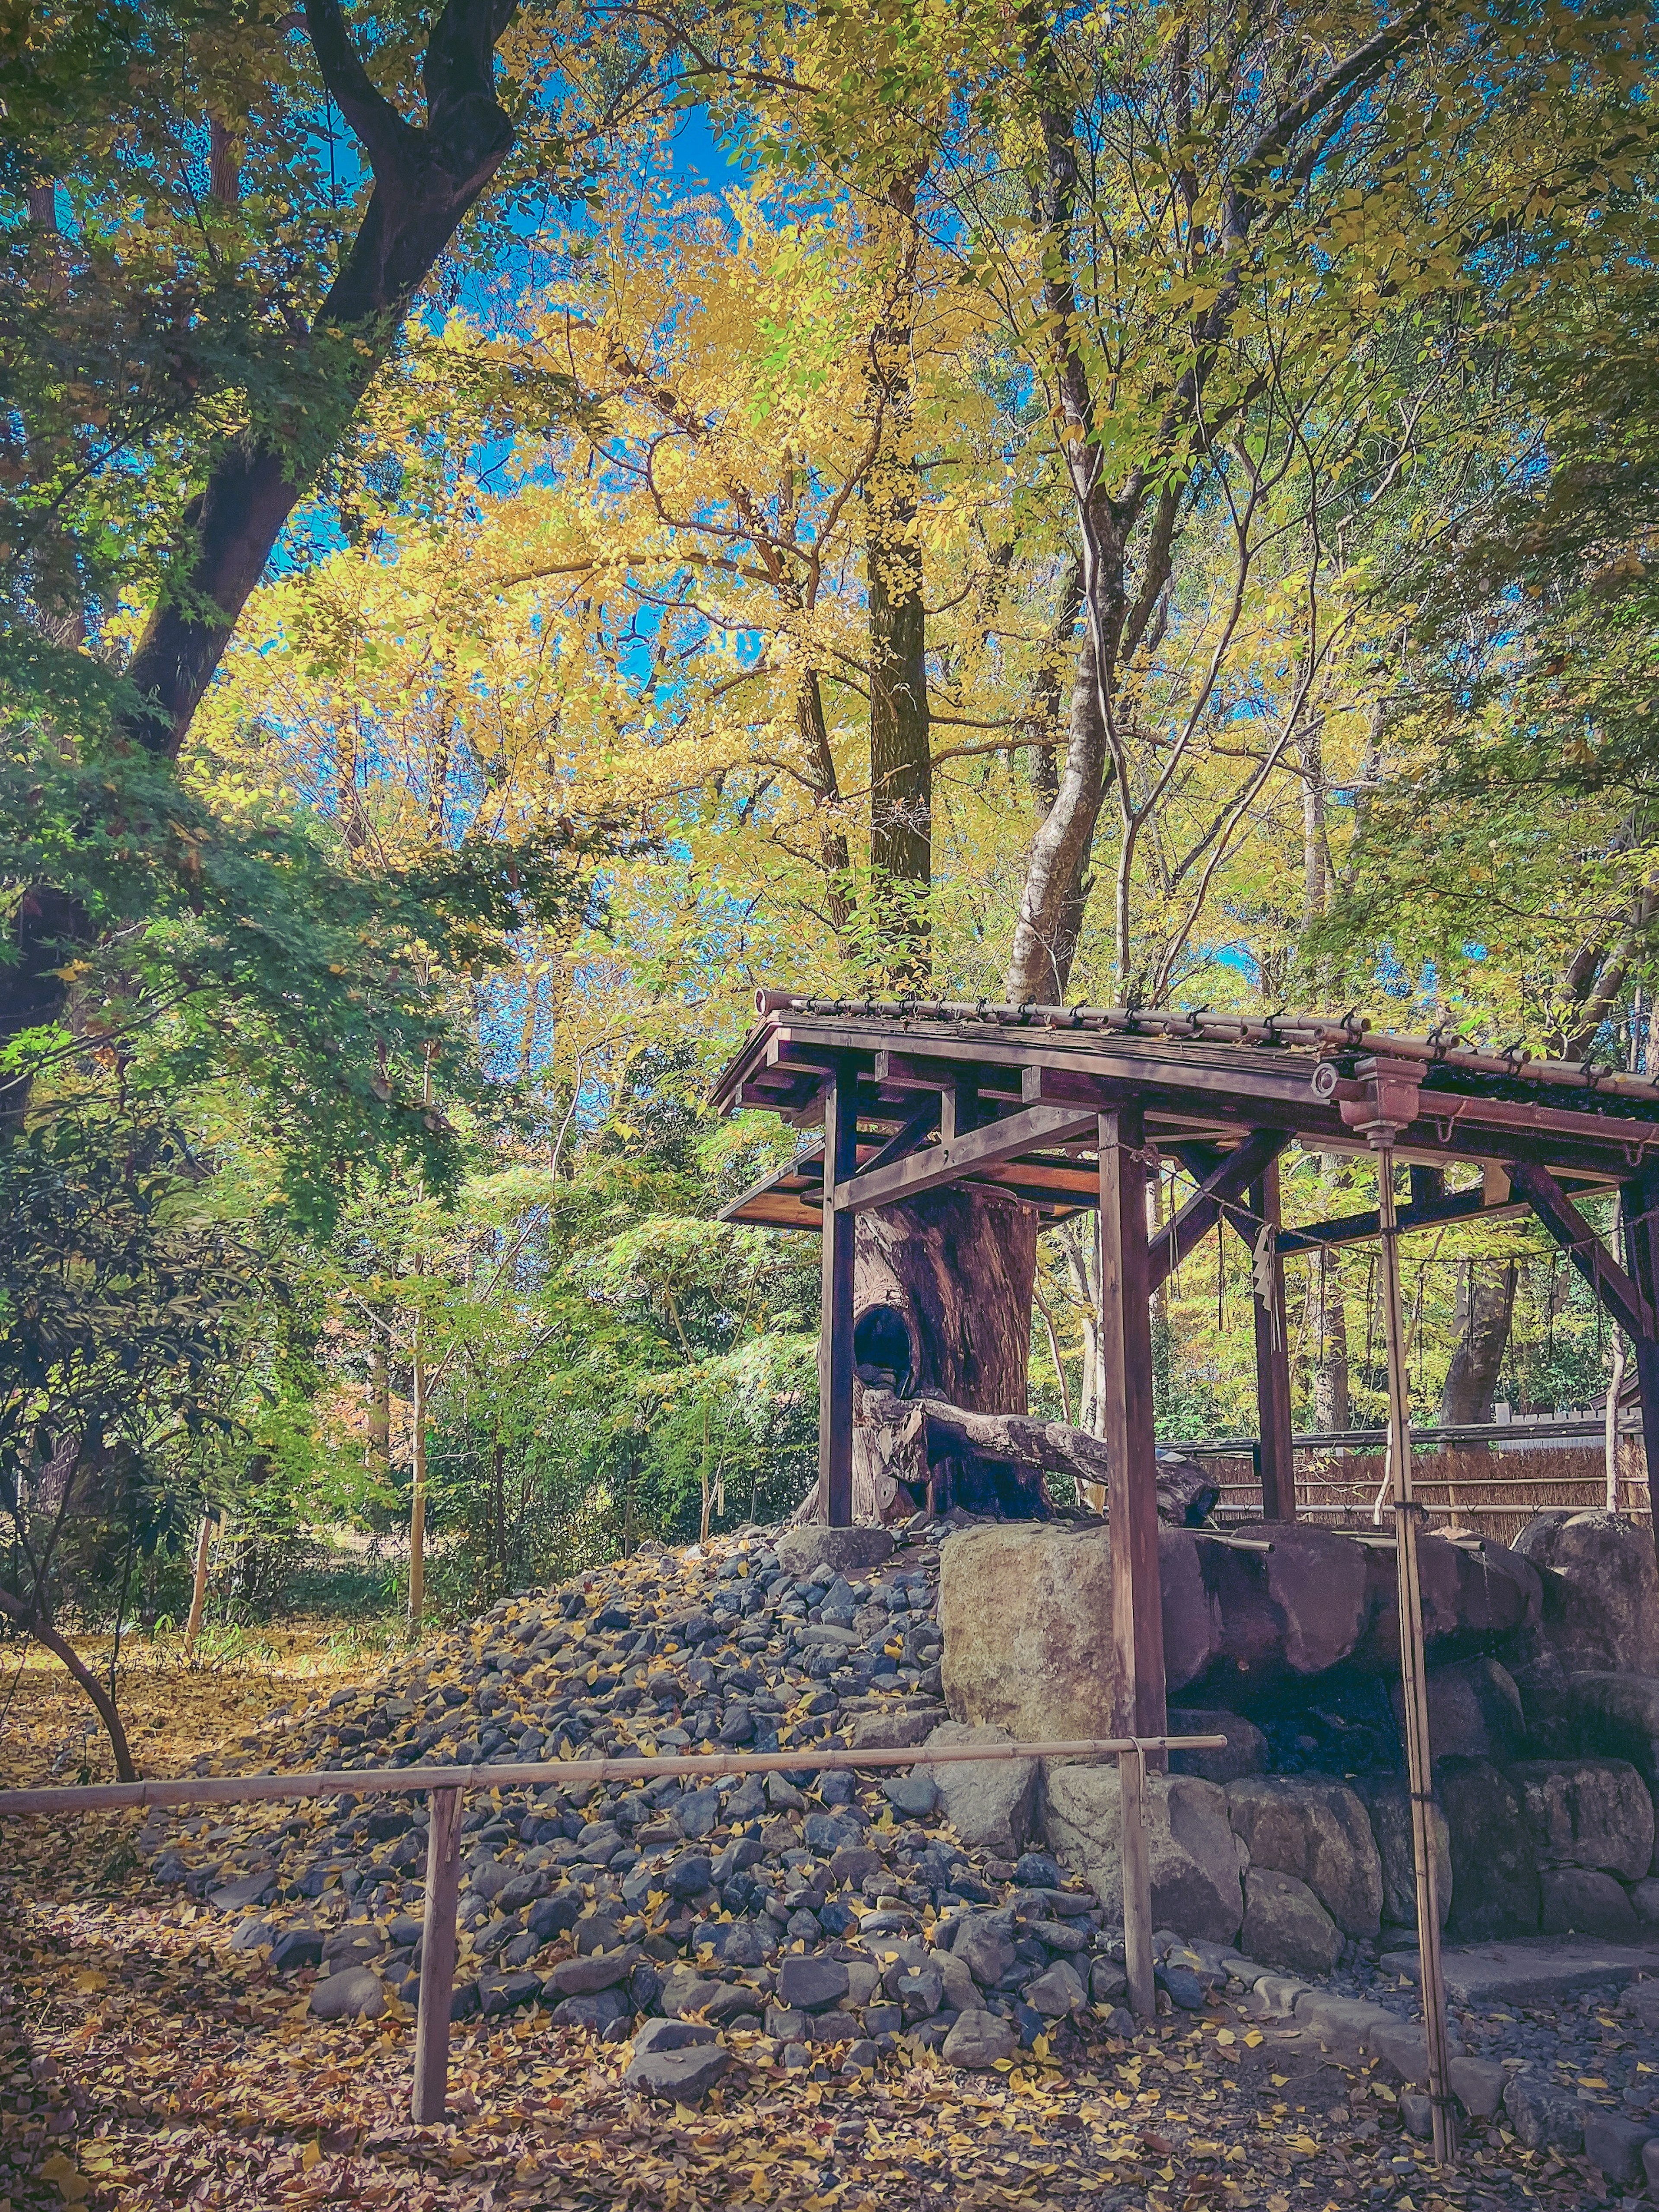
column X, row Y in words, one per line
column 912, row 1435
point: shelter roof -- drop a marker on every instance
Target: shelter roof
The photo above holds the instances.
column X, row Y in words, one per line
column 1004, row 1097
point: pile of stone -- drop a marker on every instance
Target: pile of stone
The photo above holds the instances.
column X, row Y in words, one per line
column 817, row 1917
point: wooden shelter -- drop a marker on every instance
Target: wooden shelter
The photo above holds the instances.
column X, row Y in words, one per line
column 1070, row 1108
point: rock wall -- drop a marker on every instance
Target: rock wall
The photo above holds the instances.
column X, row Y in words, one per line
column 1544, row 1722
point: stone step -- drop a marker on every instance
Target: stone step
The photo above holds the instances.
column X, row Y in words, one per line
column 1530, row 1970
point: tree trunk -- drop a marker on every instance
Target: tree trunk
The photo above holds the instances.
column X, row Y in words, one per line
column 198, row 1583
column 942, row 1304
column 417, row 1490
column 1471, row 1378
column 900, row 757
column 35, row 1624
column 379, row 1455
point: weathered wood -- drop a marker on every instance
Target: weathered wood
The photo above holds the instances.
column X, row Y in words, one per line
column 1126, row 1355
column 929, row 1429
column 1276, row 1452
column 443, row 1879
column 1639, row 1228
column 835, row 1355
column 1136, row 1863
column 1362, row 1228
column 1221, row 1184
column 1619, row 1296
column 932, row 1165
column 1413, row 1673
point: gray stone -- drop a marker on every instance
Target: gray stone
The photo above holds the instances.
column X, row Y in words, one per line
column 1474, row 1711
column 237, row 1896
column 671, row 2035
column 961, row 1991
column 253, row 1935
column 1537, row 1970
column 1317, row 1829
column 979, row 2040
column 1107, row 1982
column 1390, row 1811
column 1477, row 2084
column 985, row 1949
column 1494, row 1871
column 1190, row 1844
column 1601, row 1589
column 1285, row 1923
column 1588, row 1813
column 914, row 1794
column 1417, row 2112
column 843, row 1550
column 1344, row 2026
column 894, row 1731
column 1246, row 1751
column 1645, row 1899
column 597, row 2011
column 1058, row 1992
column 689, row 1991
column 1650, row 2167
column 852, row 1862
column 1615, row 2145
column 992, row 1806
column 1581, row 1900
column 499, row 1993
column 296, row 1948
column 809, row 1985
column 1542, row 2115
column 920, row 1991
column 600, row 1970
column 686, row 2074
column 356, row 1994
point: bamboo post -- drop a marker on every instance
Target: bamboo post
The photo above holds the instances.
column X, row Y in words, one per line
column 198, row 1583
column 1418, row 1759
column 840, row 1155
column 1137, row 1961
column 443, row 1873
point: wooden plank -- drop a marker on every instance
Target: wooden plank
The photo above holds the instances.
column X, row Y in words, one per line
column 1222, row 1184
column 936, row 1165
column 443, row 1876
column 1639, row 1229
column 905, row 1138
column 1363, row 1228
column 1588, row 1255
column 836, row 1320
column 1125, row 1345
column 1138, row 1955
column 1276, row 1452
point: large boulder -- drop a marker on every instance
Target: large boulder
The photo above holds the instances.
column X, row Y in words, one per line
column 1474, row 1711
column 1285, row 1924
column 1315, row 1829
column 991, row 1805
column 1495, row 1888
column 1616, row 1715
column 1600, row 1578
column 1245, row 1752
column 1191, row 1842
column 1588, row 1813
column 1472, row 1598
column 1581, row 1901
column 1390, row 1809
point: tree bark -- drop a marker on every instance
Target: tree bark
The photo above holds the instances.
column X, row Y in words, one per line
column 1185, row 1495
column 900, row 755
column 1327, row 1337
column 942, row 1306
column 1471, row 1378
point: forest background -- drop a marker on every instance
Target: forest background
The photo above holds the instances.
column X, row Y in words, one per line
column 521, row 524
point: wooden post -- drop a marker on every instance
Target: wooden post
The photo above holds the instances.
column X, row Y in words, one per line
column 1273, row 1361
column 835, row 1322
column 1413, row 1675
column 443, row 1876
column 198, row 1583
column 1638, row 1209
column 1125, row 1383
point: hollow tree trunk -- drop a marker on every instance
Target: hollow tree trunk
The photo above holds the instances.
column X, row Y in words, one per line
column 1471, row 1378
column 942, row 1307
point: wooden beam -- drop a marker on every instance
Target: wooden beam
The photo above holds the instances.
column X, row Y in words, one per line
column 1275, row 1454
column 443, row 1876
column 935, row 1164
column 1223, row 1184
column 1126, row 1381
column 1363, row 1228
column 905, row 1139
column 1619, row 1296
column 1638, row 1209
column 835, row 1321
